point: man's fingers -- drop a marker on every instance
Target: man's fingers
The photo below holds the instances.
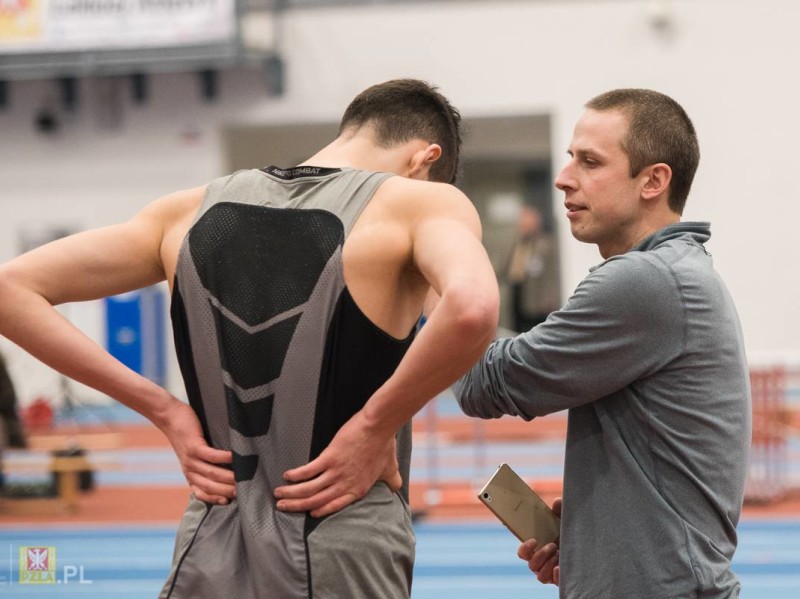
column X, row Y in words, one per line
column 545, row 573
column 541, row 557
column 209, row 498
column 557, row 506
column 216, row 474
column 214, row 456
column 198, row 469
column 306, row 496
column 527, row 549
column 308, row 503
column 334, row 506
column 305, row 472
column 541, row 561
column 303, row 489
column 212, row 488
column 395, row 482
column 391, row 474
column 556, row 575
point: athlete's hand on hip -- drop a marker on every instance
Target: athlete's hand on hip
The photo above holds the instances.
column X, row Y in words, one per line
column 343, row 473
column 200, row 463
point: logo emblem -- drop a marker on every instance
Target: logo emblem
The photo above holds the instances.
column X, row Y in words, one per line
column 37, row 565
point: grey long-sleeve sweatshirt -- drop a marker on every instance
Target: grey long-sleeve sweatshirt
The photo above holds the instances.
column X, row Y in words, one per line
column 648, row 357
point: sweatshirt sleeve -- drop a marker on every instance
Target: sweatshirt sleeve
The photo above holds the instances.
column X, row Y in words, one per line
column 624, row 321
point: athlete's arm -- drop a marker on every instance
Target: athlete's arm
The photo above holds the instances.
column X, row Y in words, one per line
column 448, row 253
column 91, row 265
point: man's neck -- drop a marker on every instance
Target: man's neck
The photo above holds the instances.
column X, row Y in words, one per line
column 637, row 236
column 358, row 151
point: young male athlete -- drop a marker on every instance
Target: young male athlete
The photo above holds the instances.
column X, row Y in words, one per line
column 295, row 298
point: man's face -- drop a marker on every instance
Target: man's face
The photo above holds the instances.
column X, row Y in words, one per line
column 603, row 202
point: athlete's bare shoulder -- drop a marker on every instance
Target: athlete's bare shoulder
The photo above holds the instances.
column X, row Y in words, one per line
column 170, row 218
column 412, row 200
column 174, row 207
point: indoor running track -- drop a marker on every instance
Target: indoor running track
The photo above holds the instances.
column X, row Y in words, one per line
column 464, row 560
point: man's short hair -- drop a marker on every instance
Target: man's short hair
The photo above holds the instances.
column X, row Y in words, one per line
column 659, row 130
column 403, row 110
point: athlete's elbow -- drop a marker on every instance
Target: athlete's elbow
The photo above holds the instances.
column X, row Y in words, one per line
column 6, row 296
column 7, row 282
column 477, row 313
column 15, row 292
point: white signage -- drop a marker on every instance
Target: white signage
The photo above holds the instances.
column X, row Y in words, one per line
column 75, row 25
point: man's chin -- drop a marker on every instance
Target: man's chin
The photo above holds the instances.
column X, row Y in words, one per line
column 580, row 233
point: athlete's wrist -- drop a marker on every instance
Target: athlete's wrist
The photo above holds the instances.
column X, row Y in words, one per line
column 376, row 420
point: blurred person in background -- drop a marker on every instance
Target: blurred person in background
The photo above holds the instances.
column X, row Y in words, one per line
column 12, row 434
column 532, row 271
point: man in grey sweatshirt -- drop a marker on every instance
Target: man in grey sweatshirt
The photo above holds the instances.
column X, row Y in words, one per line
column 648, row 358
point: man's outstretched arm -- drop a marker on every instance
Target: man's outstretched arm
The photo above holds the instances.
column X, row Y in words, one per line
column 92, row 265
column 448, row 253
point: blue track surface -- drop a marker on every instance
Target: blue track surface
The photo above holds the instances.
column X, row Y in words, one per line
column 465, row 560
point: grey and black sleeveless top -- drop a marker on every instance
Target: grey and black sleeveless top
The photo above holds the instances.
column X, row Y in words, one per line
column 276, row 357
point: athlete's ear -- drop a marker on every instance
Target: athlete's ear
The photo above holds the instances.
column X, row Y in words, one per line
column 422, row 160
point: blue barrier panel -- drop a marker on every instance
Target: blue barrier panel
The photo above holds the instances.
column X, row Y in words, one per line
column 135, row 331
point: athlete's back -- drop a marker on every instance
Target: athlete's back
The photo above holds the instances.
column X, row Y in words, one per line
column 276, row 356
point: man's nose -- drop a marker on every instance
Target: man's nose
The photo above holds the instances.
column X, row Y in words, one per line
column 565, row 180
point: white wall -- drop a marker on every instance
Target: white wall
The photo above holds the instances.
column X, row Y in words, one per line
column 731, row 63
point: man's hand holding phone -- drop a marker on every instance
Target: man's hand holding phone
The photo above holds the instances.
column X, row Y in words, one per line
column 531, row 520
column 542, row 561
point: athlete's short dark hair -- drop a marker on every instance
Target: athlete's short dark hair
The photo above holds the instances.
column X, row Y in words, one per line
column 659, row 130
column 402, row 110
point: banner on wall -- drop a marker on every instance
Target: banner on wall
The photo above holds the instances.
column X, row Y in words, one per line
column 33, row 26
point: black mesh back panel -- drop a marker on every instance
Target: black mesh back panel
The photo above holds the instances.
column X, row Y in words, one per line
column 260, row 262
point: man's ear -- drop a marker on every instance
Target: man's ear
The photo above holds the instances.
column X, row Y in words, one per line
column 422, row 160
column 658, row 177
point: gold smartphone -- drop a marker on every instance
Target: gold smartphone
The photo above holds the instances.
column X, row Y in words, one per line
column 522, row 511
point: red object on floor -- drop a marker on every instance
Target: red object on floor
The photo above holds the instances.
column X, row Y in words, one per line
column 38, row 415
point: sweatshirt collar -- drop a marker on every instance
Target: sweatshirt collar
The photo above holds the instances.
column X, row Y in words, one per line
column 699, row 232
